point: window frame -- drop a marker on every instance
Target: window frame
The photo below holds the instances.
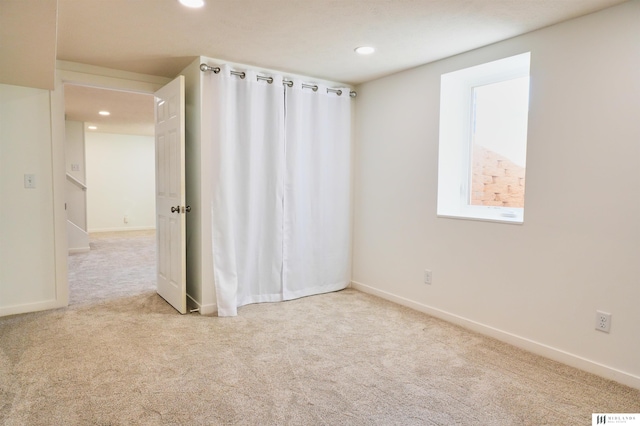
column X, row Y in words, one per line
column 455, row 138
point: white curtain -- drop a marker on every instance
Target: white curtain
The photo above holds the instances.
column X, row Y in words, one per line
column 281, row 190
column 317, row 231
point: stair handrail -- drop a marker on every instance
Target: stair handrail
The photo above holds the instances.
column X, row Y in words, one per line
column 77, row 182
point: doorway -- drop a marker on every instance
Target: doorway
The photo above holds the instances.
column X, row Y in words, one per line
column 114, row 165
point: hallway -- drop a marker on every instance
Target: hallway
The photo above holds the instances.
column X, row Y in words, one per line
column 120, row 264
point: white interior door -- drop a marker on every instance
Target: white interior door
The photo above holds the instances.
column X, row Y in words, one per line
column 170, row 194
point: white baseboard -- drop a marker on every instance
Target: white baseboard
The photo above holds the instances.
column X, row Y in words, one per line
column 79, row 250
column 203, row 309
column 126, row 228
column 512, row 339
column 30, row 307
column 208, row 309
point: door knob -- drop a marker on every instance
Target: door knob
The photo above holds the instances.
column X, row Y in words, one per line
column 175, row 209
column 187, row 209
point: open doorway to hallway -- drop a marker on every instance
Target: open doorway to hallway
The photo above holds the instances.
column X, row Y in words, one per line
column 110, row 195
column 120, row 264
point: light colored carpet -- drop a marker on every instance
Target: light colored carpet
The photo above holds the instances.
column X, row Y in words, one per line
column 119, row 264
column 344, row 358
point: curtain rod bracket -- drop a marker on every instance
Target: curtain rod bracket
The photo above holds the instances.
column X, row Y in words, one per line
column 289, row 83
column 205, row 67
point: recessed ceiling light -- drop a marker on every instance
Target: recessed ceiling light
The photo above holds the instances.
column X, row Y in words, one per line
column 104, row 113
column 364, row 50
column 92, row 127
column 192, row 3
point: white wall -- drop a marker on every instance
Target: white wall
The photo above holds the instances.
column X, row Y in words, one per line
column 76, row 197
column 536, row 285
column 74, row 149
column 33, row 231
column 120, row 182
column 199, row 249
column 27, row 261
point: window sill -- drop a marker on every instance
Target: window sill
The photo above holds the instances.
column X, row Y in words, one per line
column 518, row 220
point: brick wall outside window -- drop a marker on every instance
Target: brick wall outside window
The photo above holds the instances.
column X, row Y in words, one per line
column 496, row 181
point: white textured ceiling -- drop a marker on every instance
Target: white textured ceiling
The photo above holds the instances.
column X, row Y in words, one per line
column 314, row 38
column 28, row 42
column 131, row 113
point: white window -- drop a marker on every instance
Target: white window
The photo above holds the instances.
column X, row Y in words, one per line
column 483, row 141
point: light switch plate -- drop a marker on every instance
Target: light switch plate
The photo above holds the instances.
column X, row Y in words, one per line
column 29, row 181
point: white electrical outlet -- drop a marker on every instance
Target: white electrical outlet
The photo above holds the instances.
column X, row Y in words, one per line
column 603, row 321
column 427, row 276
